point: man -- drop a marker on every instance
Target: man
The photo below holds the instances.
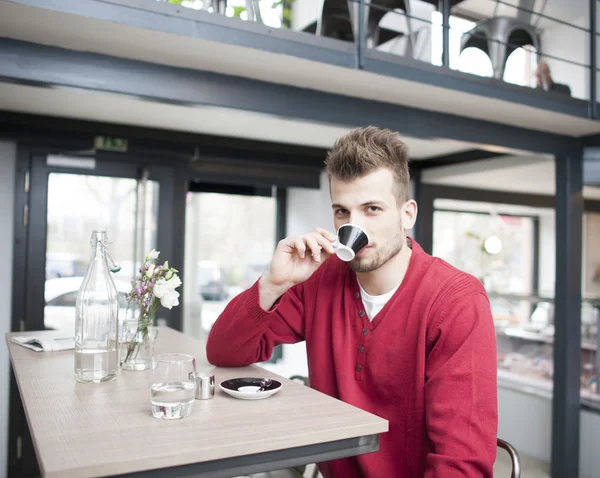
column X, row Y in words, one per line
column 544, row 80
column 395, row 332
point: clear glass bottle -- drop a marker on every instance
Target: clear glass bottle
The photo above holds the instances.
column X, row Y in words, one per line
column 96, row 318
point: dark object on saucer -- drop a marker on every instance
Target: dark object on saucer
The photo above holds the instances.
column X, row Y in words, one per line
column 236, row 384
column 265, row 384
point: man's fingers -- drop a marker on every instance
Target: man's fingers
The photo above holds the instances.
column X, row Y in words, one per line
column 319, row 243
column 329, row 235
column 314, row 246
column 300, row 246
column 325, row 243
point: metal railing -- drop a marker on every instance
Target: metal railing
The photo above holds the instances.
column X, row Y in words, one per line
column 358, row 21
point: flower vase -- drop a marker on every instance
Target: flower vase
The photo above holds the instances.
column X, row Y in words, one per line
column 136, row 343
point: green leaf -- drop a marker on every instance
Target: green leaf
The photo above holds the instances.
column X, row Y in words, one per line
column 237, row 10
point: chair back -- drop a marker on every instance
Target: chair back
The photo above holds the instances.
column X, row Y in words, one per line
column 514, row 457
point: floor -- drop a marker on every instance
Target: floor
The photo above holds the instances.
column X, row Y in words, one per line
column 530, row 467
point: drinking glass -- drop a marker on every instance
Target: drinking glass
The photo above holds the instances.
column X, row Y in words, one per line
column 172, row 385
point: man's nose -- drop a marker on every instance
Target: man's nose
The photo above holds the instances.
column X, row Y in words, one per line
column 357, row 219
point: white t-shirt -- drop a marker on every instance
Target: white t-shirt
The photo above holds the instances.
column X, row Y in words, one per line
column 374, row 303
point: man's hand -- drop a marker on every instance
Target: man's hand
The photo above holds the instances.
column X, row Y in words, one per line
column 296, row 259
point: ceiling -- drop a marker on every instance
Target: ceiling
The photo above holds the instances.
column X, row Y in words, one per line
column 519, row 174
column 117, row 38
column 128, row 110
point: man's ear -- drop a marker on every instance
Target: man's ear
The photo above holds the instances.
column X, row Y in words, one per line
column 409, row 214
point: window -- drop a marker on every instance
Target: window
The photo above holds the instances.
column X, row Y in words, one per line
column 230, row 240
column 64, row 300
column 511, row 249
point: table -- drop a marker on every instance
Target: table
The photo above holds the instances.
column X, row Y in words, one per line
column 87, row 430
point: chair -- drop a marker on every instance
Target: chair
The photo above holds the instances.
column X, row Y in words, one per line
column 498, row 37
column 514, row 457
column 339, row 19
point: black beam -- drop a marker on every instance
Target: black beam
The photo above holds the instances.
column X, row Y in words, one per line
column 242, row 190
column 171, row 214
column 593, row 59
column 437, row 191
column 487, row 195
column 188, row 23
column 361, row 37
column 590, row 142
column 267, row 461
column 455, row 158
column 567, row 316
column 445, row 9
column 590, row 205
column 535, row 282
column 281, row 195
column 52, row 131
column 281, row 221
column 17, row 423
column 424, row 226
column 55, row 66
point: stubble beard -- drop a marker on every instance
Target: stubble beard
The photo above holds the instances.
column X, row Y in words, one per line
column 359, row 264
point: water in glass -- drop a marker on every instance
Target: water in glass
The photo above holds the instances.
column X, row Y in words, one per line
column 172, row 388
column 172, row 399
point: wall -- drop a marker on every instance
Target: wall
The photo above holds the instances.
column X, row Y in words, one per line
column 515, row 409
column 8, row 159
column 534, row 440
column 566, row 42
column 547, row 252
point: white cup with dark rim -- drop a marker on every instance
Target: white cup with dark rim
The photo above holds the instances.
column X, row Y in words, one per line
column 351, row 239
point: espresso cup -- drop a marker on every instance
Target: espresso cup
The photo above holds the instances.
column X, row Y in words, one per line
column 350, row 240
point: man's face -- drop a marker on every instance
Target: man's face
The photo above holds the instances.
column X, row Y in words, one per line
column 370, row 202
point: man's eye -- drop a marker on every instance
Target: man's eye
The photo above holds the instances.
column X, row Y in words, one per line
column 374, row 209
column 341, row 212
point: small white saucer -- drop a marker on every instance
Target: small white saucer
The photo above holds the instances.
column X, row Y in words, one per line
column 246, row 388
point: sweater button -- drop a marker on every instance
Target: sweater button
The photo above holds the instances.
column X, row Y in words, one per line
column 365, row 331
column 361, row 349
column 356, row 295
column 358, row 368
column 361, row 313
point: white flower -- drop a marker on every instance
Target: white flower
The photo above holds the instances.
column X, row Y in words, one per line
column 150, row 271
column 170, row 300
column 152, row 255
column 174, row 281
column 164, row 287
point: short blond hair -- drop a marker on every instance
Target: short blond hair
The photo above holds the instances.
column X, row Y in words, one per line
column 363, row 150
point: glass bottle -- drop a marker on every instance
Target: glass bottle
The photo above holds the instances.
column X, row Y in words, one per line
column 96, row 318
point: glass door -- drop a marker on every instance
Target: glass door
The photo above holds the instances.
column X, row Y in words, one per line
column 78, row 204
column 69, row 198
column 229, row 243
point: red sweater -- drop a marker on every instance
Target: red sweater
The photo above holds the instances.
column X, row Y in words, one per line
column 426, row 363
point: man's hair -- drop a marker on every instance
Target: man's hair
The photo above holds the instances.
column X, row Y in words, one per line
column 363, row 150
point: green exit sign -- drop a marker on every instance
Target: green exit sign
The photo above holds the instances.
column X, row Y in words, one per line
column 108, row 143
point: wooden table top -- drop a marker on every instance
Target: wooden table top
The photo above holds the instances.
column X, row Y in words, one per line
column 85, row 430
